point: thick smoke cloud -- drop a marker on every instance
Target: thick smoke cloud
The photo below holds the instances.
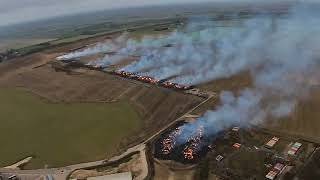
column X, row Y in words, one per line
column 208, row 54
column 282, row 55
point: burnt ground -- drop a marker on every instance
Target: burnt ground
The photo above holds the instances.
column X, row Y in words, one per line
column 253, row 160
column 177, row 153
column 311, row 168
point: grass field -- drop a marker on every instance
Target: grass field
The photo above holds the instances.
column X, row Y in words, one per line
column 20, row 43
column 60, row 134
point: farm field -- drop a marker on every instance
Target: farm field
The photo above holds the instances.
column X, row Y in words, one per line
column 60, row 134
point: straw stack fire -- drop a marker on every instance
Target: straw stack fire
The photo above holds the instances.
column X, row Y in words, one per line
column 169, row 146
column 151, row 80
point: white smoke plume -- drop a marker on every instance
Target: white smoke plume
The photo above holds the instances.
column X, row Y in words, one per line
column 281, row 55
column 101, row 47
column 108, row 46
column 108, row 60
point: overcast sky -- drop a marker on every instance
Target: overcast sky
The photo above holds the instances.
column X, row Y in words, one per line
column 16, row 11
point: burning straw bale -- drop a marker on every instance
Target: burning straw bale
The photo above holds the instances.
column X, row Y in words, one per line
column 151, row 80
column 170, row 146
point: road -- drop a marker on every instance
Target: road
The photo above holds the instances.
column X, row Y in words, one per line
column 18, row 164
column 212, row 95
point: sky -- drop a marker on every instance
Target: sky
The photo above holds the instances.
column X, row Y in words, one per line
column 17, row 11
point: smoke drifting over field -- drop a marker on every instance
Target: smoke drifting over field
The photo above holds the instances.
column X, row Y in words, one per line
column 108, row 46
column 281, row 54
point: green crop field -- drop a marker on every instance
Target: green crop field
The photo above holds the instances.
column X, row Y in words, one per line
column 60, row 134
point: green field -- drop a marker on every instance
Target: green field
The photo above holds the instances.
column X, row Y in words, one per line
column 60, row 134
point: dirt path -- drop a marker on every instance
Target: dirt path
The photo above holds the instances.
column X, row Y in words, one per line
column 212, row 95
column 18, row 164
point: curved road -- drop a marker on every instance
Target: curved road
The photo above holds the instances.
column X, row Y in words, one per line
column 63, row 172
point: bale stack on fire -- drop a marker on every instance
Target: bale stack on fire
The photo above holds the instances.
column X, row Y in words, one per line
column 169, row 145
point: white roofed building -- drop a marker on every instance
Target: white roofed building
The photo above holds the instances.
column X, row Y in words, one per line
column 119, row 176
